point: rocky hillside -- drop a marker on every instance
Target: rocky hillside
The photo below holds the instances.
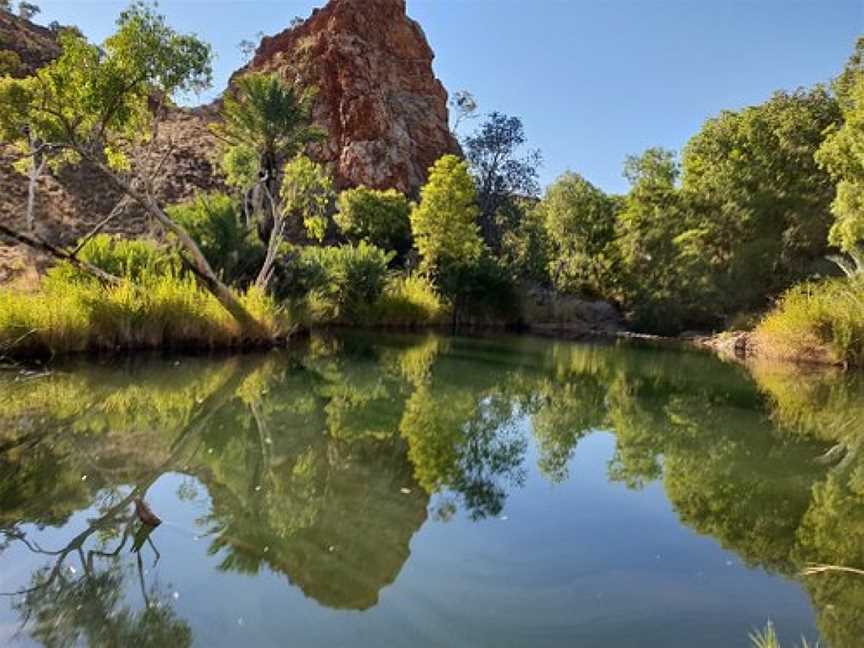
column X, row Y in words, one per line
column 383, row 108
column 378, row 98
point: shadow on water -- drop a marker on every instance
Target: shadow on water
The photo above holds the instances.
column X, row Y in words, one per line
column 320, row 465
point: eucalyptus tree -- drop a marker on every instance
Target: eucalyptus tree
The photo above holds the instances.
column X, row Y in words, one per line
column 105, row 105
column 500, row 174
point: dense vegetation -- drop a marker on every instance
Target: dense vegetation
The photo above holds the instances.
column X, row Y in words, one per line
column 703, row 240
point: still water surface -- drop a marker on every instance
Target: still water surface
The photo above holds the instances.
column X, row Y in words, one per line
column 426, row 491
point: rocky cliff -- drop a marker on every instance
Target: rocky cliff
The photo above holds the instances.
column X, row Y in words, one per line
column 378, row 99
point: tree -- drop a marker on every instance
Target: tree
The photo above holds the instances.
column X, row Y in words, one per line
column 842, row 155
column 305, row 195
column 465, row 106
column 265, row 122
column 104, row 105
column 381, row 218
column 646, row 228
column 763, row 203
column 580, row 225
column 500, row 175
column 27, row 10
column 444, row 223
column 6, row 5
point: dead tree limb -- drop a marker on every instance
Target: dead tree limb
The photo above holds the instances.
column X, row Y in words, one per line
column 57, row 253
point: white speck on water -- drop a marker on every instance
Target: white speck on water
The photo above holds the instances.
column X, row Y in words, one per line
column 331, row 549
column 240, row 621
column 83, row 477
column 257, row 488
column 504, row 518
column 176, row 595
column 268, row 440
column 729, row 563
column 71, row 569
column 266, row 549
column 177, row 364
column 658, row 556
column 405, row 491
column 209, row 450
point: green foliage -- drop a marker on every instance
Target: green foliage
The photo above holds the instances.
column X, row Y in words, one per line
column 580, row 225
column 380, row 218
column 408, row 301
column 95, row 100
column 480, row 292
column 842, row 154
column 444, row 224
column 215, row 223
column 10, row 63
column 136, row 259
column 817, row 321
column 525, row 247
column 748, row 220
column 166, row 311
column 266, row 118
column 338, row 284
column 307, row 193
column 646, row 230
column 501, row 175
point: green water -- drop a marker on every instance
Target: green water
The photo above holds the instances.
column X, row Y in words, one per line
column 424, row 491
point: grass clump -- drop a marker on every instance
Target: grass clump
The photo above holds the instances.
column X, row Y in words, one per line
column 155, row 306
column 767, row 638
column 822, row 322
column 408, row 301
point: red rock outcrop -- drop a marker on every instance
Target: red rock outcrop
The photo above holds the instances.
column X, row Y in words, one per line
column 384, row 110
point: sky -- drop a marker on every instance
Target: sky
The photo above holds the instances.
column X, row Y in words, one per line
column 592, row 80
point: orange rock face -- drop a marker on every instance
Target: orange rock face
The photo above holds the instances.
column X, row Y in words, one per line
column 384, row 110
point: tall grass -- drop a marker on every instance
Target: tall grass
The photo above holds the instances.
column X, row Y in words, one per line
column 767, row 638
column 166, row 311
column 821, row 322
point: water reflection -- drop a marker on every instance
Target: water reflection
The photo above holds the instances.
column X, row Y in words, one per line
column 321, row 464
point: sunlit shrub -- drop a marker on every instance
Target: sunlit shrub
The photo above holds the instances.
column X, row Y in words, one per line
column 817, row 321
column 408, row 301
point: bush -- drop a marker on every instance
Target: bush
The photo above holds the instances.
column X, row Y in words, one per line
column 408, row 301
column 817, row 321
column 480, row 292
column 380, row 218
column 337, row 284
column 136, row 259
column 167, row 311
column 215, row 222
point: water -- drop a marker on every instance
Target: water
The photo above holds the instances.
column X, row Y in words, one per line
column 424, row 491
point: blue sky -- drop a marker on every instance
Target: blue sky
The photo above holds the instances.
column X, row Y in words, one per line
column 593, row 80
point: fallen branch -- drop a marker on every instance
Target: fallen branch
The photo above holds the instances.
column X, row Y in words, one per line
column 43, row 246
column 823, row 569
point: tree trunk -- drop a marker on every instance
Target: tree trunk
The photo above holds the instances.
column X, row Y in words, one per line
column 251, row 327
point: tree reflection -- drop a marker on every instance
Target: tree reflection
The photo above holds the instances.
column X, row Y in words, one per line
column 320, row 464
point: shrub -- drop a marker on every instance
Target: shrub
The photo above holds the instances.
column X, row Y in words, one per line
column 480, row 292
column 817, row 321
column 408, row 301
column 380, row 218
column 337, row 284
column 215, row 222
column 136, row 259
